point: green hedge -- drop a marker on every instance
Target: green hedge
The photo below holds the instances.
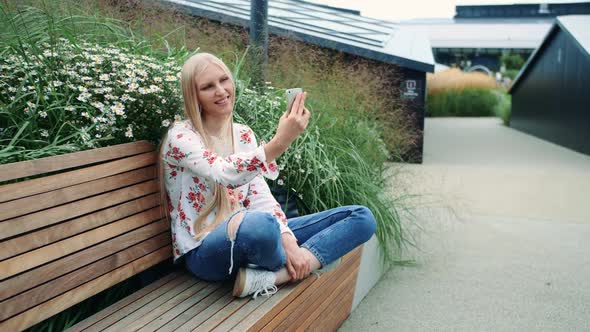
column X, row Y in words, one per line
column 467, row 102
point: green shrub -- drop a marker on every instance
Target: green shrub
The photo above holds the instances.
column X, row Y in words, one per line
column 512, row 61
column 503, row 106
column 467, row 102
column 511, row 73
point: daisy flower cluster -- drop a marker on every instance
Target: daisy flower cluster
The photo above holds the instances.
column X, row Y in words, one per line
column 103, row 92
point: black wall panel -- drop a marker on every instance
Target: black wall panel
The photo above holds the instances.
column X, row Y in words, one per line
column 553, row 100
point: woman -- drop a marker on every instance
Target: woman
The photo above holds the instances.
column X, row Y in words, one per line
column 225, row 223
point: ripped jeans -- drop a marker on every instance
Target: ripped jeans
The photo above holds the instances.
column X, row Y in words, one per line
column 328, row 235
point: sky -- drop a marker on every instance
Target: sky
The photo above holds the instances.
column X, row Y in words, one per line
column 396, row 10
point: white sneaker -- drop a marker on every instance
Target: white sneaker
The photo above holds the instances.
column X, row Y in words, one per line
column 254, row 281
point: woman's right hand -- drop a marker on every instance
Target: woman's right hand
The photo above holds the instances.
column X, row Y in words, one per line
column 294, row 121
column 291, row 125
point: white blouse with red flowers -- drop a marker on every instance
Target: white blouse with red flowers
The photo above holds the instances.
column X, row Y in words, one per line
column 191, row 171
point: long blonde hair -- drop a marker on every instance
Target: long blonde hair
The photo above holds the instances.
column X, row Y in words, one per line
column 191, row 69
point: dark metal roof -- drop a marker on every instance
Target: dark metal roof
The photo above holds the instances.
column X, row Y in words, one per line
column 576, row 26
column 327, row 27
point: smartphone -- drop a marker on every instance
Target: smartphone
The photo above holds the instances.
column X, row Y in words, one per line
column 291, row 94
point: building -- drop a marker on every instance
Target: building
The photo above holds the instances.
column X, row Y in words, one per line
column 550, row 95
column 479, row 34
column 343, row 30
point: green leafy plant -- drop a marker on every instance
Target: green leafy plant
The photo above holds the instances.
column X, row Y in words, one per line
column 512, row 61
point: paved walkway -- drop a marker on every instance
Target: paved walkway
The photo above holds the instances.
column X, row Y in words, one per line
column 505, row 244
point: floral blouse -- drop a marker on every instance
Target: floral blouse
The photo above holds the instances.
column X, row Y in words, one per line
column 191, row 171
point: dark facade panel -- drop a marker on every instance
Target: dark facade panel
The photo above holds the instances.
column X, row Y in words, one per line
column 522, row 10
column 553, row 101
column 413, row 94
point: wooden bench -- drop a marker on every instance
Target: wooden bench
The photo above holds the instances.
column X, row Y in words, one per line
column 83, row 222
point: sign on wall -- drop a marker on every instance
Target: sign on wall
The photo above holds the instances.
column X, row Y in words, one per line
column 411, row 89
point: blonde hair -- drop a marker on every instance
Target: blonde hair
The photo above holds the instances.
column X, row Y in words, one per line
column 191, row 69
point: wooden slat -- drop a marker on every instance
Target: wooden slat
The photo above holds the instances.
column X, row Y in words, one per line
column 195, row 309
column 70, row 160
column 296, row 312
column 136, row 305
column 241, row 314
column 310, row 292
column 66, row 300
column 181, row 308
column 208, row 312
column 123, row 302
column 313, row 313
column 26, row 205
column 158, row 311
column 25, row 281
column 53, row 182
column 24, row 243
column 273, row 306
column 31, row 259
column 122, row 324
column 55, row 215
column 337, row 280
column 222, row 314
column 334, row 316
column 69, row 281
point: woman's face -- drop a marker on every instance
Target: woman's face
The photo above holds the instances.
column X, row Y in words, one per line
column 215, row 91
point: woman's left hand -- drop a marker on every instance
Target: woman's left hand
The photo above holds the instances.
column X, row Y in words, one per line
column 297, row 262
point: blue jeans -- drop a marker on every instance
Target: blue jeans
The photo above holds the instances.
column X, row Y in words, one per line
column 328, row 235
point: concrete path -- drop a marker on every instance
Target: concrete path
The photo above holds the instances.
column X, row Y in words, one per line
column 505, row 239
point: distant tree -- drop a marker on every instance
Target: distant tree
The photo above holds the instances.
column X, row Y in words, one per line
column 512, row 61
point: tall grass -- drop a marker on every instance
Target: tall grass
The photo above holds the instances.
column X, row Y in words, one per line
column 456, row 93
column 457, row 80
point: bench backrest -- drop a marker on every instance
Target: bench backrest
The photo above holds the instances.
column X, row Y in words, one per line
column 89, row 222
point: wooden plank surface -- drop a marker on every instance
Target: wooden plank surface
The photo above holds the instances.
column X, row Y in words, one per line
column 179, row 309
column 57, row 214
column 222, row 314
column 26, row 242
column 123, row 302
column 25, row 281
column 48, row 183
column 124, row 323
column 314, row 313
column 334, row 316
column 209, row 311
column 66, row 300
column 136, row 305
column 310, row 292
column 195, row 309
column 26, row 205
column 297, row 312
column 74, row 279
column 272, row 306
column 31, row 259
column 70, row 160
column 241, row 314
column 160, row 310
